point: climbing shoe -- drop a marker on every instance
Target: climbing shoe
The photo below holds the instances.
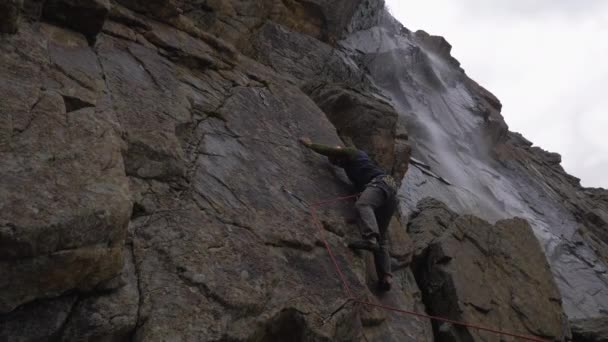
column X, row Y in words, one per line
column 385, row 283
column 366, row 244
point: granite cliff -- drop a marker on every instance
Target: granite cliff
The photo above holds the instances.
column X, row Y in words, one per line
column 153, row 188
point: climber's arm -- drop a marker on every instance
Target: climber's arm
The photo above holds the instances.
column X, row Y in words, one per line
column 329, row 151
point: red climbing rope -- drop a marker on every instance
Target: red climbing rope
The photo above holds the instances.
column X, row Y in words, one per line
column 348, row 291
column 313, row 212
column 436, row 318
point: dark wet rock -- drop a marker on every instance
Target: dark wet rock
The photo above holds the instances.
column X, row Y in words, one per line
column 590, row 330
column 495, row 276
column 85, row 16
column 10, row 15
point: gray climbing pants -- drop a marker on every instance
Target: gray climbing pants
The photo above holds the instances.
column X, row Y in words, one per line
column 376, row 206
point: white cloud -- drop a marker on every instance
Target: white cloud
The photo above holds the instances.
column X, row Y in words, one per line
column 544, row 59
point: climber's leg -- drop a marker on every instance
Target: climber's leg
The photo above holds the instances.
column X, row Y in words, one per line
column 371, row 199
column 382, row 258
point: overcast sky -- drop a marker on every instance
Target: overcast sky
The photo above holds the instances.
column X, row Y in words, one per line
column 546, row 60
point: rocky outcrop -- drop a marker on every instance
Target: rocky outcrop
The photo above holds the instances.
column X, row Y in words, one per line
column 153, row 187
column 352, row 112
column 493, row 275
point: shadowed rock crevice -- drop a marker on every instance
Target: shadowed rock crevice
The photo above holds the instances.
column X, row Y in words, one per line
column 73, row 104
column 288, row 325
column 85, row 16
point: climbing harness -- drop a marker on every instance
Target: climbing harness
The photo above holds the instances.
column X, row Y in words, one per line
column 351, row 297
column 387, row 180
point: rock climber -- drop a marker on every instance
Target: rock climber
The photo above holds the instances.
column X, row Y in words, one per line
column 375, row 205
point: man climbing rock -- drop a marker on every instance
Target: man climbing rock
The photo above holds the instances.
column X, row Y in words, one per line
column 375, row 205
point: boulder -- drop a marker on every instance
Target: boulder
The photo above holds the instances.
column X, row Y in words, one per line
column 353, row 112
column 494, row 276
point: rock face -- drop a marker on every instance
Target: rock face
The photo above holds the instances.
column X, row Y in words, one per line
column 496, row 276
column 65, row 196
column 153, row 188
